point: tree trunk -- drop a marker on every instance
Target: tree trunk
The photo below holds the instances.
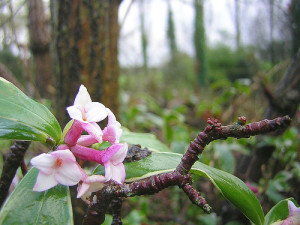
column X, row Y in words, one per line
column 39, row 46
column 294, row 16
column 171, row 34
column 144, row 38
column 237, row 24
column 85, row 50
column 200, row 44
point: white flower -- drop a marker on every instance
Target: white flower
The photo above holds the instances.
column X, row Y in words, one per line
column 90, row 184
column 84, row 110
column 88, row 113
column 58, row 167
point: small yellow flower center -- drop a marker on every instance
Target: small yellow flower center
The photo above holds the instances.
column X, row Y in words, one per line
column 58, row 162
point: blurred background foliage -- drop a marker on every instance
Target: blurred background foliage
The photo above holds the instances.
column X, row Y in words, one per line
column 166, row 98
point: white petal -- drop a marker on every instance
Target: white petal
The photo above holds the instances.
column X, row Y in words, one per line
column 95, row 178
column 64, row 155
column 120, row 155
column 82, row 189
column 69, row 173
column 108, row 171
column 95, row 112
column 83, row 97
column 94, row 130
column 118, row 173
column 44, row 182
column 111, row 117
column 75, row 112
column 44, row 162
column 115, row 172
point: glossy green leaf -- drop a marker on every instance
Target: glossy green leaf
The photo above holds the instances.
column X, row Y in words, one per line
column 25, row 206
column 232, row 188
column 24, row 119
column 279, row 212
column 145, row 140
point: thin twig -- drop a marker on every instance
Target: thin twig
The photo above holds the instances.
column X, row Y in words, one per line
column 11, row 164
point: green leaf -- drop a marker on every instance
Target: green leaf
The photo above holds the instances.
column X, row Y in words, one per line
column 24, row 206
column 145, row 140
column 279, row 212
column 24, row 119
column 232, row 188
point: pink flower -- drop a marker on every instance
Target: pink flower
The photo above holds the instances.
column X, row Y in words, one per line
column 88, row 113
column 58, row 167
column 112, row 159
column 90, row 184
column 74, row 132
column 113, row 131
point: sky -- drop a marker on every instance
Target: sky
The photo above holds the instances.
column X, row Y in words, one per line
column 156, row 26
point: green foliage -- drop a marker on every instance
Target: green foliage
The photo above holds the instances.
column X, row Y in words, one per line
column 227, row 63
column 24, row 119
column 29, row 207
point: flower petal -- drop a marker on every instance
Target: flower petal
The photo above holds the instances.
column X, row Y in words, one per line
column 85, row 153
column 70, row 173
column 110, row 152
column 82, row 189
column 76, row 112
column 64, row 155
column 86, row 140
column 94, row 130
column 83, row 97
column 110, row 134
column 111, row 118
column 293, row 209
column 121, row 154
column 115, row 172
column 95, row 112
column 44, row 182
column 44, row 162
column 95, row 178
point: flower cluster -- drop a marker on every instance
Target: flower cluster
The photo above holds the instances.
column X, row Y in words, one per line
column 60, row 166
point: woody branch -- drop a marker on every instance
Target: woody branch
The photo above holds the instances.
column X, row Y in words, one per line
column 180, row 176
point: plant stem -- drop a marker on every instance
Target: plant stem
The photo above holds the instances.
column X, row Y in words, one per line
column 11, row 164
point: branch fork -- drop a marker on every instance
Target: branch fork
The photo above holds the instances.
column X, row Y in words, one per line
column 113, row 193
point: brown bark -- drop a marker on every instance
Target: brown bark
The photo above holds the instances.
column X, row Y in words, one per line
column 40, row 48
column 85, row 47
column 11, row 164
